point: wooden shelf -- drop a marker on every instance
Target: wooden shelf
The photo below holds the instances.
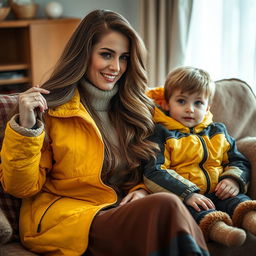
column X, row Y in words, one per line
column 26, row 23
column 14, row 81
column 32, row 48
column 11, row 67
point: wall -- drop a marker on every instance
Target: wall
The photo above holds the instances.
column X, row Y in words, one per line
column 79, row 8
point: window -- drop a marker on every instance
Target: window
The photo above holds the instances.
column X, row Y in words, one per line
column 222, row 39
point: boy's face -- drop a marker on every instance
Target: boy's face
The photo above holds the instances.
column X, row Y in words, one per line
column 188, row 109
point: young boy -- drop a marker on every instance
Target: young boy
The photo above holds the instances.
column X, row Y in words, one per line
column 199, row 161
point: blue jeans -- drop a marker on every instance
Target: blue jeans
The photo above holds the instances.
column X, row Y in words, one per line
column 228, row 205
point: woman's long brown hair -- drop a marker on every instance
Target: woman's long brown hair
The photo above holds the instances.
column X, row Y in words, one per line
column 130, row 110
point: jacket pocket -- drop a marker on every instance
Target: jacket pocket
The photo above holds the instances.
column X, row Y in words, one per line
column 41, row 219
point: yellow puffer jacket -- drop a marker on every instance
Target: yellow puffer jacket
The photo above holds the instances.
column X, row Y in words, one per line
column 60, row 185
column 193, row 159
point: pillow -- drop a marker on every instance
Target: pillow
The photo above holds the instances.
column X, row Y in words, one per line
column 8, row 204
column 234, row 104
column 5, row 229
column 8, row 103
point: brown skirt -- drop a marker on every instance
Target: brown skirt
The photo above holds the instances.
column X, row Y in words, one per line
column 157, row 225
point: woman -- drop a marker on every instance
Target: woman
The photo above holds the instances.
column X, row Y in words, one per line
column 79, row 171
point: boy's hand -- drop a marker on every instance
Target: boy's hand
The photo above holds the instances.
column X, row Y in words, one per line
column 226, row 188
column 197, row 200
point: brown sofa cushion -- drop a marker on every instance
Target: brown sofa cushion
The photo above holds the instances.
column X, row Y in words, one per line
column 7, row 104
column 9, row 204
column 234, row 105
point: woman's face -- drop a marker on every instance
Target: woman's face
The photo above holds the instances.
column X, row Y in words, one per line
column 108, row 60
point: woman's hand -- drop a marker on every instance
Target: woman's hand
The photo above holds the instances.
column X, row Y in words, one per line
column 226, row 188
column 197, row 200
column 28, row 102
column 137, row 194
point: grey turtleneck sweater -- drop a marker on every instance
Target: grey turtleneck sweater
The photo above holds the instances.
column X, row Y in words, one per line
column 101, row 104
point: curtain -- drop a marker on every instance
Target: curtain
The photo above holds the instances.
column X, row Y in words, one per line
column 222, row 39
column 216, row 35
column 164, row 29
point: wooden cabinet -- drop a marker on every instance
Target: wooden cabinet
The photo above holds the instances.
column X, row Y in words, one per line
column 29, row 49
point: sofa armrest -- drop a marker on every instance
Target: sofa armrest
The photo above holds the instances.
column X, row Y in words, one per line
column 5, row 229
column 247, row 146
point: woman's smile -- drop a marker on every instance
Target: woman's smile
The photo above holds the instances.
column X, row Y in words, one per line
column 109, row 60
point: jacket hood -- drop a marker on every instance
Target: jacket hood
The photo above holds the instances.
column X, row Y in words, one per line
column 161, row 116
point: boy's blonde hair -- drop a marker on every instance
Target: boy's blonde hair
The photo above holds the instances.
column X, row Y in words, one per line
column 191, row 80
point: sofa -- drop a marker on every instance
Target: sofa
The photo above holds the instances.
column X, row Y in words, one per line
column 234, row 104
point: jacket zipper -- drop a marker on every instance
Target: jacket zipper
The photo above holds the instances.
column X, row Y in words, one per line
column 201, row 165
column 205, row 156
column 39, row 224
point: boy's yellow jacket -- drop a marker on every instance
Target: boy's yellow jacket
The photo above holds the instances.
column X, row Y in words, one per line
column 192, row 159
column 60, row 185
